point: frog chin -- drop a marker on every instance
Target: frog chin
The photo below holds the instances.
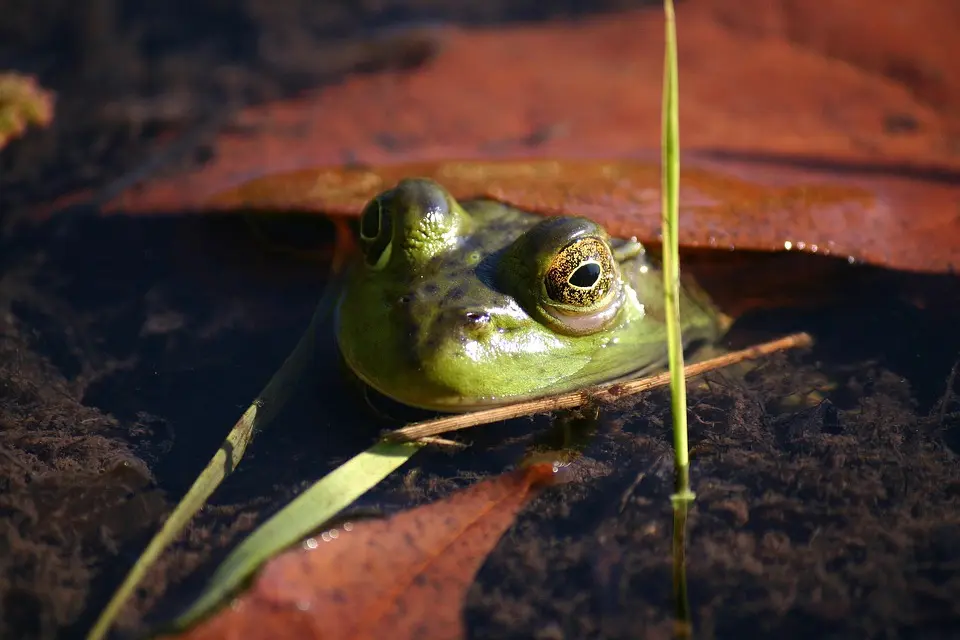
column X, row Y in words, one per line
column 501, row 368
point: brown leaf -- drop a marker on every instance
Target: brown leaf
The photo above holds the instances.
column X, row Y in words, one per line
column 724, row 203
column 402, row 577
column 814, row 127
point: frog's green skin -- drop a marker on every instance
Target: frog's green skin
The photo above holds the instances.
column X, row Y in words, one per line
column 451, row 309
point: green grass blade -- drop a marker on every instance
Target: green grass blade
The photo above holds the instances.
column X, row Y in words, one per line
column 257, row 416
column 307, row 513
column 670, row 193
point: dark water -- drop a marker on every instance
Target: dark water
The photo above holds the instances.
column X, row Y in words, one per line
column 833, row 513
column 826, row 478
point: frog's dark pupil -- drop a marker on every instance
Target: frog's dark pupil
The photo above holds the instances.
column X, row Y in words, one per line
column 585, row 276
column 370, row 221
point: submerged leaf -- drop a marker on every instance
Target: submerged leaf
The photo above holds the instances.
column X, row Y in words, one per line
column 309, row 511
column 402, row 577
column 748, row 87
column 809, row 136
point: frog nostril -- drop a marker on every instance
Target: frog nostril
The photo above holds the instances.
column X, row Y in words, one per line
column 477, row 317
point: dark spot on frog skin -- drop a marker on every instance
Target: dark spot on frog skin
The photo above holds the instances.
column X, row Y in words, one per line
column 432, row 343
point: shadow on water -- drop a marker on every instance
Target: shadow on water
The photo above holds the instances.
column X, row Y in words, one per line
column 824, row 478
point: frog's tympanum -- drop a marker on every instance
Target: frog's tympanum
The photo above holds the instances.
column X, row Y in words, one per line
column 459, row 306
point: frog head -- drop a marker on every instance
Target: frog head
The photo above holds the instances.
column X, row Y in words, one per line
column 461, row 306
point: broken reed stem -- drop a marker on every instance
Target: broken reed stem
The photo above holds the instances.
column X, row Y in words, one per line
column 605, row 393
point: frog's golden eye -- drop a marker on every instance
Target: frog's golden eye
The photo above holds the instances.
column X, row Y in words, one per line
column 582, row 275
column 376, row 233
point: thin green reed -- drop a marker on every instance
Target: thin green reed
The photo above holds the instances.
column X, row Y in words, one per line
column 671, row 261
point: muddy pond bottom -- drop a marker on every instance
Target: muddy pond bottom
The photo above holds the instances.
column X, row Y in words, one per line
column 826, row 478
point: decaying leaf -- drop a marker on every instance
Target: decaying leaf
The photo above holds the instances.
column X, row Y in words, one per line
column 724, row 203
column 402, row 577
column 22, row 103
column 748, row 85
column 813, row 128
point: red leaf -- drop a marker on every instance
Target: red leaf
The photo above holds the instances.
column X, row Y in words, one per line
column 865, row 90
column 402, row 577
column 724, row 203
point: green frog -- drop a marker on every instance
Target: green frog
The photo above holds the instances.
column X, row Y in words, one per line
column 457, row 306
